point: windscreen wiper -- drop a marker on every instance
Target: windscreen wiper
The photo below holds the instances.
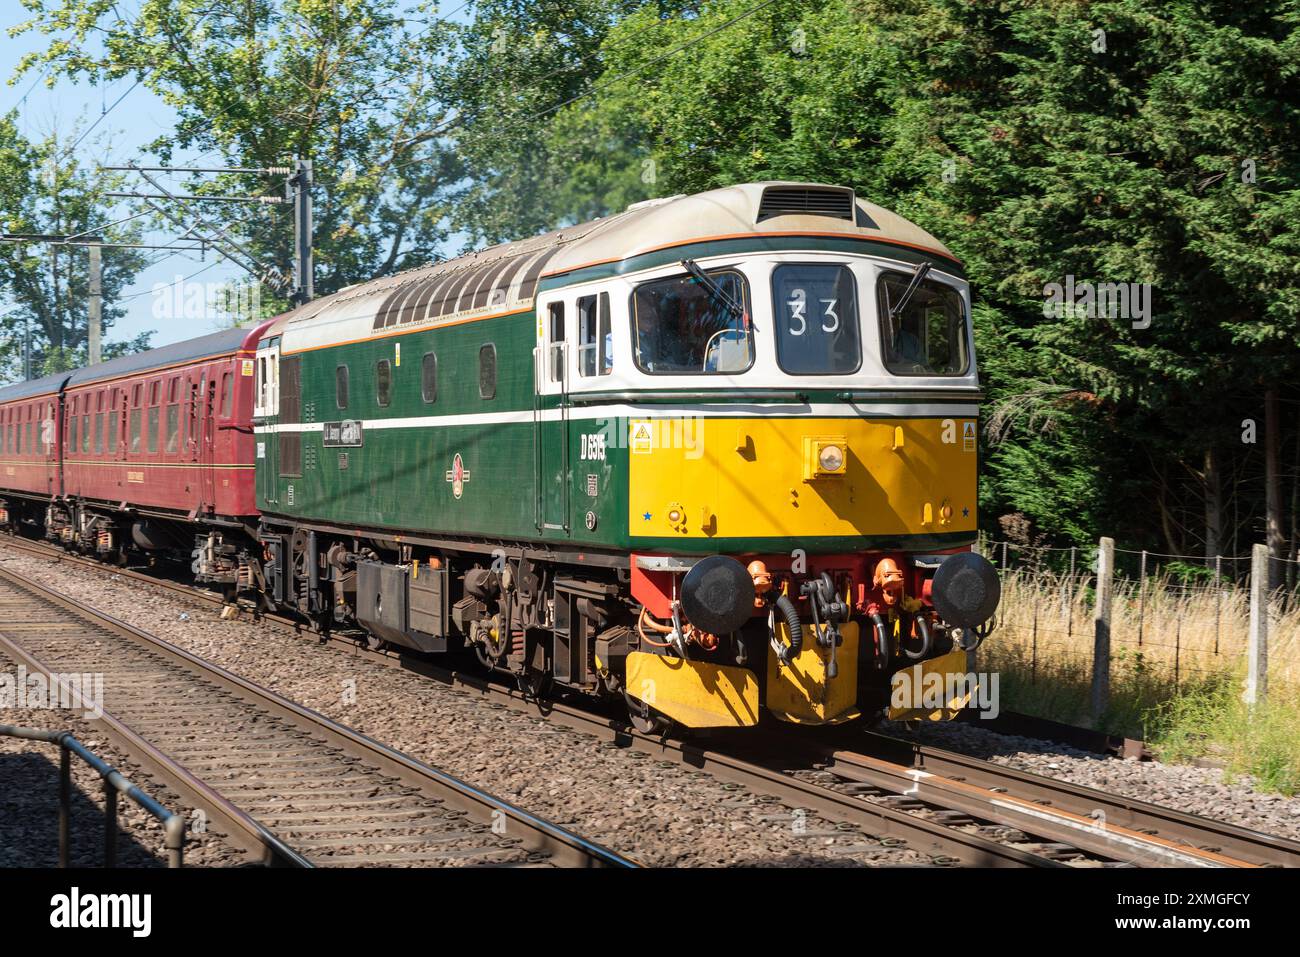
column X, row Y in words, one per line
column 918, row 275
column 713, row 289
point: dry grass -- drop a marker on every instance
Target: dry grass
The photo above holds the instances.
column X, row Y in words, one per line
column 1178, row 658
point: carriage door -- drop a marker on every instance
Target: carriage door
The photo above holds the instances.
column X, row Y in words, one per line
column 208, row 439
column 266, row 409
column 551, row 414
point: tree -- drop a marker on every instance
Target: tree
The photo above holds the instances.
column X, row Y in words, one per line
column 349, row 84
column 43, row 190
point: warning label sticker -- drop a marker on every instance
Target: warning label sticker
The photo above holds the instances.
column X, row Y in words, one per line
column 641, row 437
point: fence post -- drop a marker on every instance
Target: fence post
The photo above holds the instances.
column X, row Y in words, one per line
column 1101, row 630
column 1218, row 599
column 1142, row 595
column 1257, row 646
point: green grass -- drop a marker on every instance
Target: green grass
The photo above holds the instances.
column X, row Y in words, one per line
column 1263, row 741
column 1204, row 719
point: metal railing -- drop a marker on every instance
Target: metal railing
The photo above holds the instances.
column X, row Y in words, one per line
column 115, row 783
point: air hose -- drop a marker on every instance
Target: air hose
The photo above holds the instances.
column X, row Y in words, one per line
column 785, row 608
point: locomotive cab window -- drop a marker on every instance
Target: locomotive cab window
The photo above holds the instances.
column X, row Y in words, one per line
column 816, row 319
column 682, row 327
column 927, row 336
column 556, row 348
column 383, row 383
column 487, row 371
column 594, row 337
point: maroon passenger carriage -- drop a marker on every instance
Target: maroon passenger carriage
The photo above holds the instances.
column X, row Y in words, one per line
column 156, row 450
column 30, row 477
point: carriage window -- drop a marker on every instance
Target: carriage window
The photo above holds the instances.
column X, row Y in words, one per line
column 594, row 337
column 99, row 433
column 153, row 428
column 383, row 382
column 556, row 312
column 173, row 427
column 261, row 382
column 429, row 377
column 929, row 336
column 71, row 438
column 341, row 386
column 153, row 392
column 135, row 430
column 227, row 394
column 680, row 328
column 85, row 431
column 816, row 319
column 487, row 371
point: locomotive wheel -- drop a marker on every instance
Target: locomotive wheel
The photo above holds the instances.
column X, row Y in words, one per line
column 644, row 718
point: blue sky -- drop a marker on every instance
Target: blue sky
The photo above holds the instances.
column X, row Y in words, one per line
column 139, row 118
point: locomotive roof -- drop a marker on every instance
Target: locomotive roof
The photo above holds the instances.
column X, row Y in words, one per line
column 45, row 385
column 506, row 278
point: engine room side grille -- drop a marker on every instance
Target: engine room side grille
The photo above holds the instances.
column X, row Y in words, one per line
column 806, row 201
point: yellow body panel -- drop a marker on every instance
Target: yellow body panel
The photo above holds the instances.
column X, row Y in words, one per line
column 696, row 694
column 746, row 477
column 799, row 691
column 920, row 693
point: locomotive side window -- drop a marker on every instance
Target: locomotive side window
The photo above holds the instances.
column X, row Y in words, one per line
column 429, row 377
column 928, row 335
column 383, row 383
column 594, row 346
column 680, row 327
column 341, row 386
column 816, row 319
column 487, row 371
column 556, row 348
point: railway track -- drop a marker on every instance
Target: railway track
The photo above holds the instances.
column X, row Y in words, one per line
column 957, row 809
column 284, row 783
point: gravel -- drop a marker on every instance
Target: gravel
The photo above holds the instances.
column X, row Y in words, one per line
column 29, row 802
column 656, row 812
column 1195, row 790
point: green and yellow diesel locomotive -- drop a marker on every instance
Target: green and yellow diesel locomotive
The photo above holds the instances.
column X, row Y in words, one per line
column 715, row 454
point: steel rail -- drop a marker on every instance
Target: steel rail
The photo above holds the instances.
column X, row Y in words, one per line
column 543, row 837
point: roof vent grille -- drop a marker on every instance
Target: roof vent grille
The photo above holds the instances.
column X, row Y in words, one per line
column 833, row 201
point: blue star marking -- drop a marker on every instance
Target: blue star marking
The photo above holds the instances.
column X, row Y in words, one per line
column 646, row 516
column 965, row 513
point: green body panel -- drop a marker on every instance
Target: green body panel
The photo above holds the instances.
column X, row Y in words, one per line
column 398, row 479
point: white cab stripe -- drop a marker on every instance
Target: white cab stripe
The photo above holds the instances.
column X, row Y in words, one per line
column 839, row 410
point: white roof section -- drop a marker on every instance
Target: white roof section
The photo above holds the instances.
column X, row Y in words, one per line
column 504, row 278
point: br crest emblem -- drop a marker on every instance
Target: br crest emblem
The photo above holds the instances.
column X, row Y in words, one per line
column 457, row 475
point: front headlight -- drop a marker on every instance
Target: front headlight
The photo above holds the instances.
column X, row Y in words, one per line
column 831, row 458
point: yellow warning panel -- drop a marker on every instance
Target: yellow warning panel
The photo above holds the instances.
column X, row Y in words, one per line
column 934, row 690
column 800, row 691
column 696, row 694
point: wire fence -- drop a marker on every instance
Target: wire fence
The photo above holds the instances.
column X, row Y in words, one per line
column 1174, row 619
